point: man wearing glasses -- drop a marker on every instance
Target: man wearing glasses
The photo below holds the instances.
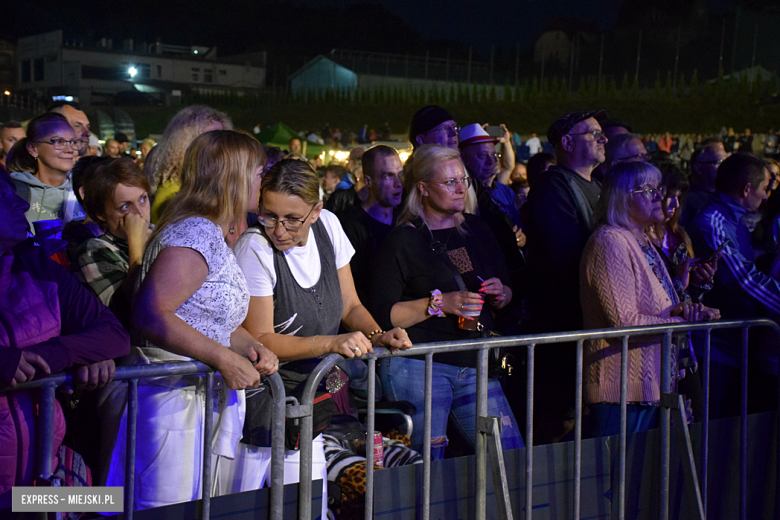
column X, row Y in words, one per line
column 558, row 224
column 433, row 124
column 704, row 169
column 625, row 148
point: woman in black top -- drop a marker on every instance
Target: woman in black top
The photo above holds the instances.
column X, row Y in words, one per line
column 415, row 287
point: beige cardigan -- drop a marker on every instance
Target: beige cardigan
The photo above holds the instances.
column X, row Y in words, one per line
column 618, row 288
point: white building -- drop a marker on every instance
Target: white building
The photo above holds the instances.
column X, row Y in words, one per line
column 49, row 66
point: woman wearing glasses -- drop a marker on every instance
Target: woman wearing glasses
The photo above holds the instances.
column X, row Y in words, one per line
column 623, row 283
column 39, row 165
column 417, row 285
column 296, row 262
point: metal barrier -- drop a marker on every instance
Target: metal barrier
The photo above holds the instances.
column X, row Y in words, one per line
column 482, row 346
column 485, row 427
column 132, row 374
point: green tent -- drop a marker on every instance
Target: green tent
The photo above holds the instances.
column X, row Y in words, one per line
column 280, row 135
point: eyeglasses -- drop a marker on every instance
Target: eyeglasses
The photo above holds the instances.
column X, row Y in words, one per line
column 292, row 224
column 638, row 157
column 452, row 184
column 651, row 193
column 448, row 130
column 715, row 162
column 597, row 134
column 59, row 144
column 484, row 156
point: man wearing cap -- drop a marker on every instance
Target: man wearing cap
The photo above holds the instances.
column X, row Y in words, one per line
column 123, row 141
column 559, row 222
column 433, row 124
column 478, row 151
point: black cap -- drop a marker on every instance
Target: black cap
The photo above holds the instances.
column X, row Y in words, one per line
column 564, row 125
column 121, row 138
column 425, row 119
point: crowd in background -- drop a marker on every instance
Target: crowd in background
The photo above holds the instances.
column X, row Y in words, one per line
column 257, row 260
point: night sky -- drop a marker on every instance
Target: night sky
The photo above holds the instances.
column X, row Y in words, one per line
column 320, row 24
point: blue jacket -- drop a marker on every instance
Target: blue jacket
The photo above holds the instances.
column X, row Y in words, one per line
column 740, row 290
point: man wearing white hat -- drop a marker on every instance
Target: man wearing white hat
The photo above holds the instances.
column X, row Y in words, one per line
column 478, row 151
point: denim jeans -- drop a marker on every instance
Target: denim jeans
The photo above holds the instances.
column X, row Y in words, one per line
column 454, row 395
column 604, row 419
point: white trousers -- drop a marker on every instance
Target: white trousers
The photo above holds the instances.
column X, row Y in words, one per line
column 251, row 469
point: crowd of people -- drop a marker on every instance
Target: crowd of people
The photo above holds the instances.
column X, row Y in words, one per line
column 253, row 260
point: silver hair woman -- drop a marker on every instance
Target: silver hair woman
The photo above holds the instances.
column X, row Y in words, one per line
column 623, row 283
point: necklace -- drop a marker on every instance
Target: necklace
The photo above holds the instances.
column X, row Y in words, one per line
column 436, row 245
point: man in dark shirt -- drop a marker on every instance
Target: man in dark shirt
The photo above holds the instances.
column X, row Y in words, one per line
column 560, row 212
column 560, row 221
column 704, row 169
column 367, row 225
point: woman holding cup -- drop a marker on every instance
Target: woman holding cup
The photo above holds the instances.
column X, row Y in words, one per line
column 441, row 275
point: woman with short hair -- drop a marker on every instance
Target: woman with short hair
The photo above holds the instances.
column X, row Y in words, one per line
column 116, row 196
column 624, row 283
column 296, row 261
column 433, row 275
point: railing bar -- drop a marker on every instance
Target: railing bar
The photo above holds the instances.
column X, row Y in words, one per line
column 426, row 508
column 623, row 428
column 370, row 427
column 666, row 384
column 529, row 434
column 277, row 447
column 480, row 460
column 307, row 434
column 578, row 434
column 132, row 421
column 743, row 428
column 45, row 434
column 705, row 435
column 208, row 418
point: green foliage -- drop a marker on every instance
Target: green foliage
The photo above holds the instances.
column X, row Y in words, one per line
column 758, row 85
column 657, row 84
column 681, row 85
column 669, row 83
column 774, row 84
column 534, row 92
column 695, row 82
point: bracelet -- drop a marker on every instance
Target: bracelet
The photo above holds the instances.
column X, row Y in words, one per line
column 311, row 348
column 373, row 333
column 435, row 304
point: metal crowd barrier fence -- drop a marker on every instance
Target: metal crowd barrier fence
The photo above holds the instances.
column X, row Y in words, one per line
column 486, row 426
column 132, row 374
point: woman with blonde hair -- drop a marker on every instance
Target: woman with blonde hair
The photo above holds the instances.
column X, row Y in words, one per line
column 434, row 273
column 190, row 305
column 167, row 161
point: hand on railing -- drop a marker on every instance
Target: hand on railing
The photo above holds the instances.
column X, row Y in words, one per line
column 91, row 377
column 26, row 368
column 353, row 344
column 395, row 339
column 237, row 371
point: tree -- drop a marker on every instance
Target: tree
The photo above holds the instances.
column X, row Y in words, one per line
column 695, row 82
column 624, row 86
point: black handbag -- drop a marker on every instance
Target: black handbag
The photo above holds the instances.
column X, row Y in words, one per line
column 259, row 406
column 499, row 363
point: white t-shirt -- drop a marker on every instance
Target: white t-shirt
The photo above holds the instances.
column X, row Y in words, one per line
column 534, row 145
column 255, row 255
